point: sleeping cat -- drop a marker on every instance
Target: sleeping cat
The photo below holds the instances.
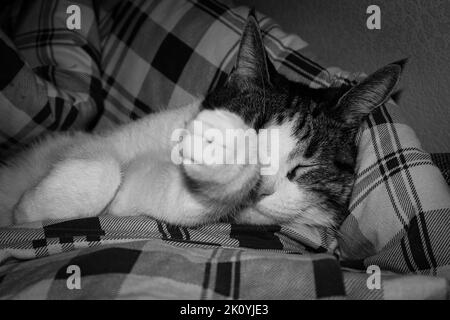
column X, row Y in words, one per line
column 129, row 170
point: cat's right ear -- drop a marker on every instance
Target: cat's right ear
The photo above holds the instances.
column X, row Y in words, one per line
column 251, row 66
column 370, row 93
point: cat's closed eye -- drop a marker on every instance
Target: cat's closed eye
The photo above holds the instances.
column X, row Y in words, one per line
column 293, row 172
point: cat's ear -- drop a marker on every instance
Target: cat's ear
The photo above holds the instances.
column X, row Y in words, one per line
column 370, row 93
column 251, row 66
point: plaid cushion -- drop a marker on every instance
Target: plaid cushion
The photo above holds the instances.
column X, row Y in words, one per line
column 206, row 263
column 442, row 161
column 131, row 58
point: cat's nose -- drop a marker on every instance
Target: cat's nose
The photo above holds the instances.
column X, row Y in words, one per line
column 266, row 186
column 265, row 191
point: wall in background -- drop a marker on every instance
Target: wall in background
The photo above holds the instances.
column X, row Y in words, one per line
column 419, row 29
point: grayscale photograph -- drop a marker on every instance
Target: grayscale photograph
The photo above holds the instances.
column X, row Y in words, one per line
column 262, row 152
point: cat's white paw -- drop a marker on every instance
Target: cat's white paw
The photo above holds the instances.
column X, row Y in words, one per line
column 74, row 188
column 31, row 208
column 24, row 211
column 219, row 147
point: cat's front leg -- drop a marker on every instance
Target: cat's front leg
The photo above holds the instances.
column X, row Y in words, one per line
column 73, row 188
column 220, row 157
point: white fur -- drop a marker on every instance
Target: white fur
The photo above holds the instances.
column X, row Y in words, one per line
column 283, row 201
column 128, row 171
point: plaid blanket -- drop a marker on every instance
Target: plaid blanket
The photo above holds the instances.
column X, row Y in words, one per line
column 131, row 58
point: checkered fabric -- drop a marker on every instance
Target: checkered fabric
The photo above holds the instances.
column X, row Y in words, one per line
column 131, row 58
column 129, row 258
column 442, row 161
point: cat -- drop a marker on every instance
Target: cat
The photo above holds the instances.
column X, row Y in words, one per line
column 129, row 170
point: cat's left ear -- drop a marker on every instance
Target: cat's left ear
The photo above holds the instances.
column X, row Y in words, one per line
column 251, row 66
column 370, row 93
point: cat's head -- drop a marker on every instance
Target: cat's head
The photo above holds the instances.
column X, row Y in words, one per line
column 317, row 127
